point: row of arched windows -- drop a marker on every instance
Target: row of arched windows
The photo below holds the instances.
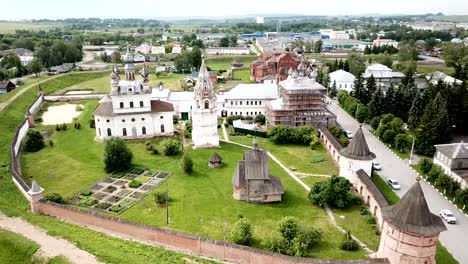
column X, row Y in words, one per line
column 124, row 131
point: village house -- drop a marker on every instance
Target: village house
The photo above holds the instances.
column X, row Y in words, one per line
column 252, row 180
column 383, row 75
column 453, row 159
column 343, row 80
column 227, row 51
column 385, row 42
column 6, row 86
column 273, row 66
column 437, row 76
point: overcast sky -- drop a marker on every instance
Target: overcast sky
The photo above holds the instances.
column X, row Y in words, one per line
column 31, row 9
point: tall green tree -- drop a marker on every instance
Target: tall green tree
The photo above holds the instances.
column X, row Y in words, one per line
column 390, row 101
column 370, row 88
column 117, row 156
column 35, row 66
column 376, row 103
column 456, row 56
column 417, row 109
column 357, row 64
column 358, row 91
column 408, row 53
column 318, row 46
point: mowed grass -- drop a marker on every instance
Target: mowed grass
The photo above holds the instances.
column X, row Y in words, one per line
column 15, row 248
column 201, row 203
column 427, row 69
column 300, row 157
column 28, row 82
column 172, row 81
column 442, row 256
column 224, row 62
column 107, row 249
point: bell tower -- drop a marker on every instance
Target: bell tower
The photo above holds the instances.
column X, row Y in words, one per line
column 204, row 112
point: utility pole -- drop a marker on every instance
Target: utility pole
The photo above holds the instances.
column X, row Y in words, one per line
column 167, row 203
column 412, row 149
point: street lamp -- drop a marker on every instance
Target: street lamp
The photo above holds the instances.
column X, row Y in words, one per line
column 412, row 149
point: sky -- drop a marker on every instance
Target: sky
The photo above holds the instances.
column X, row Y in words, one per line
column 53, row 9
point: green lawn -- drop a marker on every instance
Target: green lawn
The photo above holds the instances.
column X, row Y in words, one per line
column 302, row 158
column 15, row 248
column 224, row 62
column 172, row 81
column 243, row 75
column 432, row 68
column 443, row 256
column 106, row 248
column 11, row 27
column 310, row 180
column 27, row 83
column 98, row 85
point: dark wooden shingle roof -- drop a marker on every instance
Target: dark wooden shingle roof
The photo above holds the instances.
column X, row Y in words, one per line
column 358, row 148
column 411, row 214
column 215, row 158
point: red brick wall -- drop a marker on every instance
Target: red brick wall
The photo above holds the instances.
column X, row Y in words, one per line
column 178, row 241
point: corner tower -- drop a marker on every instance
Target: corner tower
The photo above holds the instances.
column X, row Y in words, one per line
column 410, row 232
column 204, row 112
column 356, row 156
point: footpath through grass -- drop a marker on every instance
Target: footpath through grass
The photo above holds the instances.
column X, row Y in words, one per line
column 107, row 249
column 442, row 256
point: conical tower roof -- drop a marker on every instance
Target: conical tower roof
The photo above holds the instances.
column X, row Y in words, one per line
column 358, row 148
column 411, row 214
column 35, row 188
column 215, row 158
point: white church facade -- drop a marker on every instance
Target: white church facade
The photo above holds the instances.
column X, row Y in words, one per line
column 129, row 111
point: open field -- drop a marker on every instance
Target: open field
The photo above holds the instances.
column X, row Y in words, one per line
column 224, row 62
column 106, row 248
column 302, row 158
column 27, row 83
column 432, row 68
column 15, row 248
column 11, row 27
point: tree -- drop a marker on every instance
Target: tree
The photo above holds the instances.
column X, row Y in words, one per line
column 224, row 42
column 358, row 91
column 346, row 66
column 241, row 232
column 260, row 119
column 336, row 192
column 187, row 164
column 371, row 87
column 117, row 156
column 402, row 142
column 376, row 103
column 288, row 227
column 362, row 113
column 425, row 165
column 141, row 30
column 456, row 56
column 34, row 141
column 35, row 66
column 417, row 109
column 318, row 46
column 357, row 64
column 407, row 53
column 389, row 103
column 13, row 63
column 333, row 90
column 375, row 122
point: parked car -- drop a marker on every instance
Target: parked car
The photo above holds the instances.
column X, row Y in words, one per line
column 394, row 184
column 348, row 134
column 447, row 216
column 376, row 165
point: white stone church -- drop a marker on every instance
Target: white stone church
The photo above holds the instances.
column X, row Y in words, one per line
column 129, row 111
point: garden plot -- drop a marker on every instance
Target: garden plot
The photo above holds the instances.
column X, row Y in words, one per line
column 118, row 192
column 61, row 114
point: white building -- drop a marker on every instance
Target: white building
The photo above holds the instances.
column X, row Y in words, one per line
column 228, row 51
column 343, row 80
column 356, row 156
column 433, row 26
column 176, row 50
column 158, row 50
column 383, row 75
column 385, row 42
column 247, row 99
column 437, row 76
column 453, row 159
column 330, row 33
column 129, row 111
column 204, row 112
column 144, row 48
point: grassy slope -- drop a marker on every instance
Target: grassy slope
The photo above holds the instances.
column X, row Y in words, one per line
column 442, row 256
column 303, row 156
column 27, row 83
column 224, row 63
column 11, row 27
column 15, row 248
column 107, row 249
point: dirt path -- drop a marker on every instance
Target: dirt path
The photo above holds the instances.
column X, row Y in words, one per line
column 50, row 246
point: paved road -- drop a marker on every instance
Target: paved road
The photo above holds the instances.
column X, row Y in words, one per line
column 455, row 238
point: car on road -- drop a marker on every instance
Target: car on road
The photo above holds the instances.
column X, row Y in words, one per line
column 348, row 134
column 447, row 216
column 394, row 184
column 376, row 165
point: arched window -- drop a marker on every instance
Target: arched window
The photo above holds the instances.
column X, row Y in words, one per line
column 207, row 104
column 109, row 132
column 162, row 129
column 143, row 130
column 198, row 104
column 124, row 132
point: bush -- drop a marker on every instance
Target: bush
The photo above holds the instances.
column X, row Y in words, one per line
column 54, row 197
column 187, row 164
column 51, row 143
column 86, row 193
column 335, row 191
column 349, row 244
column 315, row 142
column 34, row 141
column 375, row 122
column 149, row 147
column 155, row 151
column 291, row 135
column 63, row 127
column 170, row 147
column 134, row 184
column 260, row 119
column 92, row 123
column 77, row 125
column 241, row 232
column 117, row 156
column 434, row 173
column 161, row 198
column 147, row 143
column 389, row 136
column 88, row 201
column 306, row 238
column 425, row 165
column 288, row 227
column 370, row 219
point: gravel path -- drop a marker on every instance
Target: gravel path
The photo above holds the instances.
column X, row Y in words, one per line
column 50, row 246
